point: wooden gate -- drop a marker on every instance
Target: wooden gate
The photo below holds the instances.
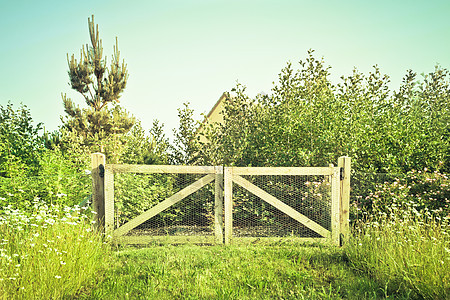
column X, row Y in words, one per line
column 331, row 175
column 338, row 178
column 119, row 234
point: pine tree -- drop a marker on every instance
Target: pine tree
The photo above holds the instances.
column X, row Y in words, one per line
column 98, row 125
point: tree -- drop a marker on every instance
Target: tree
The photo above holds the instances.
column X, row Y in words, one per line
column 96, row 126
column 185, row 148
column 145, row 149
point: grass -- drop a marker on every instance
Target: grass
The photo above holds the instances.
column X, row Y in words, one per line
column 406, row 250
column 277, row 271
column 399, row 253
column 54, row 253
column 51, row 253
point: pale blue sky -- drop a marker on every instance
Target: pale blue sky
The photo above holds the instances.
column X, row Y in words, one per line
column 188, row 50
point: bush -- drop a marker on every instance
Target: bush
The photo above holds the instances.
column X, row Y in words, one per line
column 58, row 182
column 20, row 144
column 420, row 189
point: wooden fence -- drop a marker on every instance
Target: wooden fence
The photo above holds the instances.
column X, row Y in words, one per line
column 338, row 178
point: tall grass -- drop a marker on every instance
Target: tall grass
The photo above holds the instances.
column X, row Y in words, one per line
column 405, row 249
column 50, row 253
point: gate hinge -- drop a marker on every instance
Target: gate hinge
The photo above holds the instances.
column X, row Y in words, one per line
column 341, row 171
column 101, row 171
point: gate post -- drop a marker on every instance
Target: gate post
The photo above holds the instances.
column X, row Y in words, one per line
column 109, row 202
column 228, row 194
column 98, row 161
column 218, row 206
column 335, row 205
column 344, row 219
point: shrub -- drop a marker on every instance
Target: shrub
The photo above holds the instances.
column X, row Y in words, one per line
column 420, row 189
column 59, row 182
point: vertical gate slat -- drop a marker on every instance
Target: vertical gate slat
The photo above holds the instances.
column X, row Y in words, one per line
column 218, row 206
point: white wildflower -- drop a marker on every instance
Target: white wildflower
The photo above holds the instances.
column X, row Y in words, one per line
column 50, row 221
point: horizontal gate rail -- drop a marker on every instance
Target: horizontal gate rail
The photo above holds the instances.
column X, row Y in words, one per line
column 161, row 169
column 294, row 171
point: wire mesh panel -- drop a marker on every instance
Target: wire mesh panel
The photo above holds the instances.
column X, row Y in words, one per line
column 308, row 195
column 184, row 203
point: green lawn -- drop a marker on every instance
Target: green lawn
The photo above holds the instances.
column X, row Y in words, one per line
column 276, row 271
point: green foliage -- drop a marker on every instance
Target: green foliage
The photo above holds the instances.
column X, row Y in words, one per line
column 140, row 148
column 185, row 144
column 136, row 193
column 20, row 143
column 96, row 131
column 421, row 189
column 58, row 182
column 29, row 171
column 61, row 181
column 309, row 121
column 90, row 76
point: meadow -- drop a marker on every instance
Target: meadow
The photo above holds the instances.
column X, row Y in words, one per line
column 55, row 253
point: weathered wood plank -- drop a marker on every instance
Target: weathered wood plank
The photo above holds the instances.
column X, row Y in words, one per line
column 125, row 228
column 228, row 198
column 148, row 169
column 164, row 239
column 281, row 206
column 98, row 189
column 218, row 206
column 282, row 171
column 345, row 162
column 274, row 240
column 109, row 202
column 335, row 200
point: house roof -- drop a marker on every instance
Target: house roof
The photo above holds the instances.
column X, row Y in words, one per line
column 214, row 114
column 222, row 98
